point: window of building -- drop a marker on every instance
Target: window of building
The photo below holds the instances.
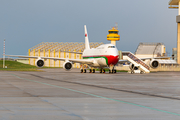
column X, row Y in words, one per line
column 113, row 32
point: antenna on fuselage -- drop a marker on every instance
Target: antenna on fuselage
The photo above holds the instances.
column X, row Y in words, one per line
column 86, row 38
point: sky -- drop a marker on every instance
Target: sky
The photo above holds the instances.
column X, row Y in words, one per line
column 26, row 23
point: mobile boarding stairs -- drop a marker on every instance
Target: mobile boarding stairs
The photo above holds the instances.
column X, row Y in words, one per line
column 143, row 67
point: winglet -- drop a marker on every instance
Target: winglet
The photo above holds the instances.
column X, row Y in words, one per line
column 86, row 38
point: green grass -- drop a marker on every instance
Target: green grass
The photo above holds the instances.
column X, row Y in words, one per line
column 17, row 66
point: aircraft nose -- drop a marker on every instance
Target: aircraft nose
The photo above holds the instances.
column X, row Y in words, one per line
column 113, row 60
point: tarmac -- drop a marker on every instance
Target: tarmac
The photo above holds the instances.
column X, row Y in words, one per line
column 56, row 94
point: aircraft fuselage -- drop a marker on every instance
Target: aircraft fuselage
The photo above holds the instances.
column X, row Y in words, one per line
column 103, row 56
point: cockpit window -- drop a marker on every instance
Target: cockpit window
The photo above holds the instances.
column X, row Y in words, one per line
column 111, row 46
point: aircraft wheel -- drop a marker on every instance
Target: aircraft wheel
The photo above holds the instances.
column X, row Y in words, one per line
column 114, row 71
column 132, row 72
column 81, row 70
column 93, row 70
column 104, row 71
column 109, row 71
column 84, row 70
column 141, row 72
column 100, row 71
column 90, row 71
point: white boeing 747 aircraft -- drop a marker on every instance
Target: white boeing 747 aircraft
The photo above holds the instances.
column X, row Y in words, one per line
column 104, row 56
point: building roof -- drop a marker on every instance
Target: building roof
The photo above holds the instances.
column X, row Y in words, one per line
column 174, row 2
column 67, row 46
column 149, row 48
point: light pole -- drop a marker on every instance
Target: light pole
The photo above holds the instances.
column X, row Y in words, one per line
column 4, row 55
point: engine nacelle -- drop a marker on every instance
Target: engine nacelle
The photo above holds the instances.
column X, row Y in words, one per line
column 132, row 67
column 154, row 63
column 39, row 63
column 67, row 65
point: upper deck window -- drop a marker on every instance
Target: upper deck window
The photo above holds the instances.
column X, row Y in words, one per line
column 100, row 47
column 111, row 46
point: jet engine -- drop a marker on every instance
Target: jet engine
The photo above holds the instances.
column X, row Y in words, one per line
column 67, row 65
column 39, row 62
column 132, row 67
column 154, row 63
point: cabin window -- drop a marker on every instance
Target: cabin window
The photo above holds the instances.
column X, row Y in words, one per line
column 100, row 48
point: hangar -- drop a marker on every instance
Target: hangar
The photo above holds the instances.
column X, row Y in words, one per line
column 147, row 50
column 59, row 49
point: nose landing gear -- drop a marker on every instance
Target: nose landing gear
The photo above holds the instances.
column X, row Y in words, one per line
column 111, row 69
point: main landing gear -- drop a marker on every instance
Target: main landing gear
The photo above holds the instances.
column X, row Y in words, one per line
column 102, row 71
column 90, row 71
column 84, row 67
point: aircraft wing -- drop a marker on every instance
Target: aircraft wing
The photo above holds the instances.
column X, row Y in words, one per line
column 123, row 61
column 154, row 58
column 20, row 56
column 82, row 61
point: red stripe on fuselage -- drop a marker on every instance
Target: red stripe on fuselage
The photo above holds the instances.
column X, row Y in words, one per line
column 110, row 58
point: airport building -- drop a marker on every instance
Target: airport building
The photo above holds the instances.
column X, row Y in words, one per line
column 148, row 50
column 61, row 50
column 176, row 4
column 174, row 54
